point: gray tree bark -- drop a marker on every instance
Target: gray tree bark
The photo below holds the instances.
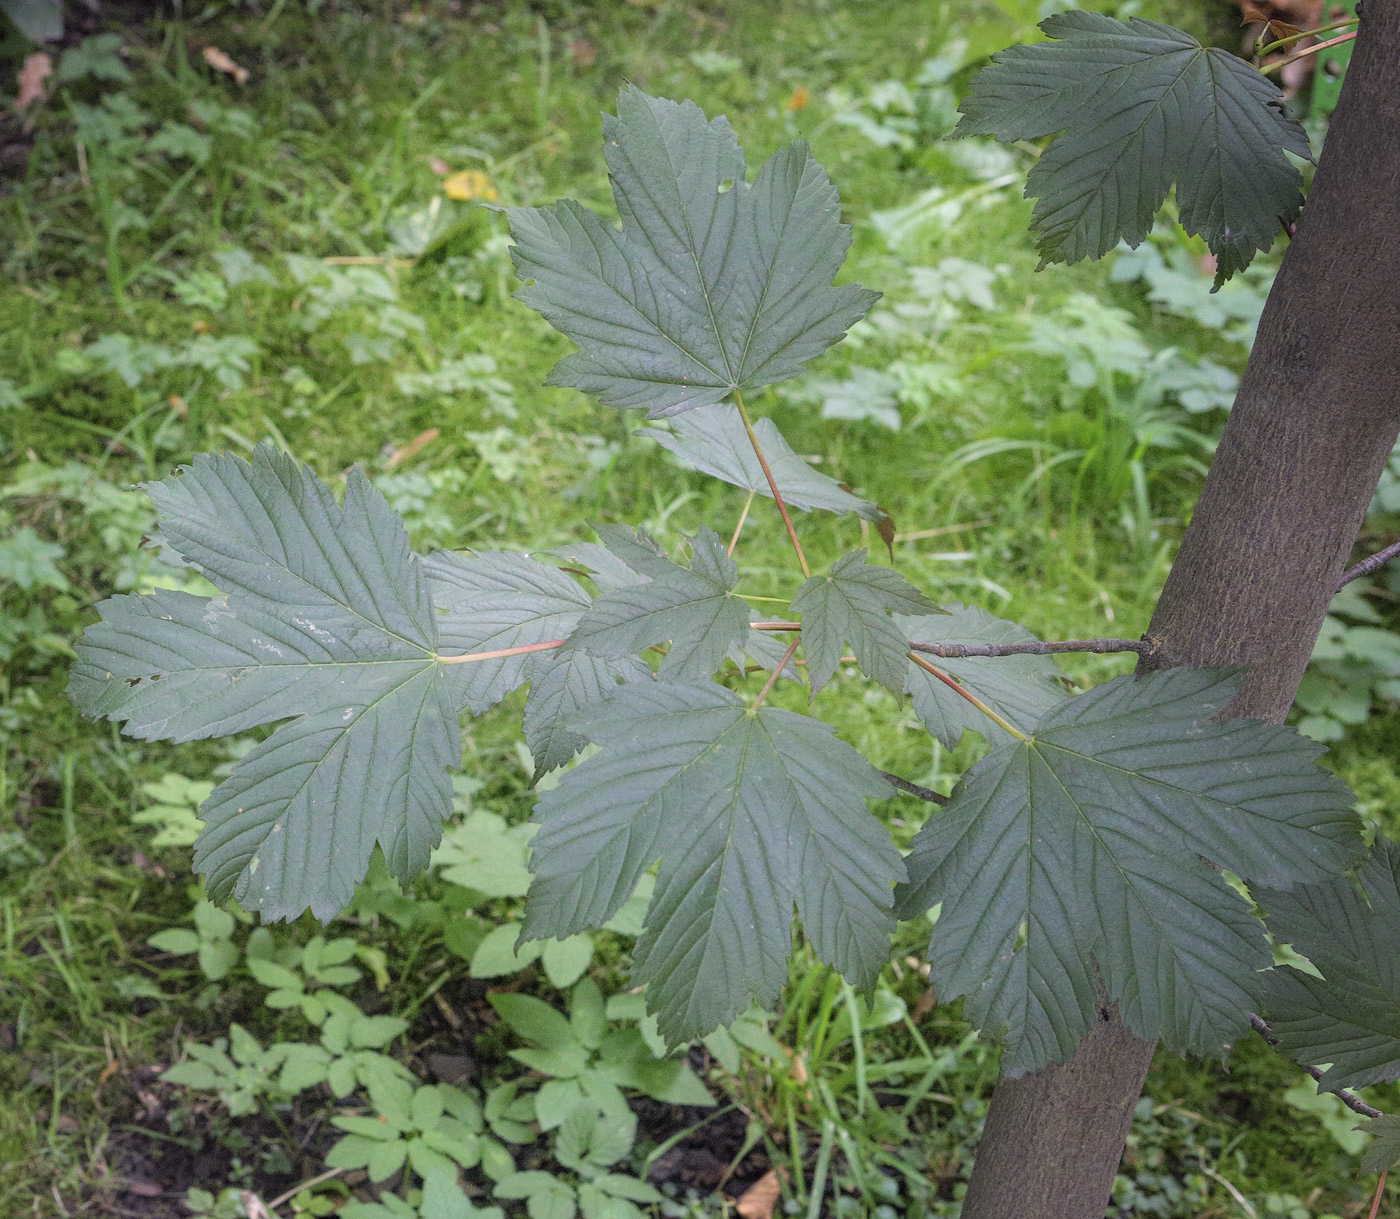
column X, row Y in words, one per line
column 1314, row 421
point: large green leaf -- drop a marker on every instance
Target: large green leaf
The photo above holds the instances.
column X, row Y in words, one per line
column 1019, row 688
column 694, row 607
column 714, row 441
column 711, row 285
column 1141, row 106
column 37, row 20
column 1082, row 848
column 296, row 822
column 1350, row 1017
column 496, row 600
column 567, row 681
column 749, row 813
column 327, row 617
column 854, row 602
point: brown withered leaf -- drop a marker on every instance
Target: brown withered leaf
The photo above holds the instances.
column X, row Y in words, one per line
column 36, row 69
column 255, row 1206
column 758, row 1201
column 413, row 447
column 221, row 61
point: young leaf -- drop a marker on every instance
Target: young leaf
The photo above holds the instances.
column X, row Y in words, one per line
column 1020, row 688
column 713, row 440
column 563, row 683
column 1082, row 847
column 855, row 602
column 712, row 285
column 693, row 607
column 1350, row 1017
column 749, row 813
column 497, row 600
column 1141, row 106
column 326, row 616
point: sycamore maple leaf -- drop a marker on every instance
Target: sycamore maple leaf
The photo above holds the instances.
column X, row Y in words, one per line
column 712, row 285
column 1140, row 106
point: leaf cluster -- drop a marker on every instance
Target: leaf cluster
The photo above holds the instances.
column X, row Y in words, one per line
column 1079, row 860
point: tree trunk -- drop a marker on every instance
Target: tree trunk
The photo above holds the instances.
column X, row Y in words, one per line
column 1313, row 424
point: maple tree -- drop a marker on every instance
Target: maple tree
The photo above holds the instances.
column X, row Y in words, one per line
column 1076, row 872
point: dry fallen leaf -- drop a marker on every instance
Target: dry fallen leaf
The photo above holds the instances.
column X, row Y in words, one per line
column 255, row 1206
column 583, row 53
column 36, row 70
column 800, row 98
column 758, row 1201
column 927, row 1002
column 413, row 448
column 470, row 184
column 220, row 61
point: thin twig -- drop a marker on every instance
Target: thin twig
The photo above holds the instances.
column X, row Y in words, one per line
column 281, row 1199
column 1034, row 647
column 501, row 653
column 1280, row 64
column 1243, row 1202
column 1380, row 1192
column 772, row 483
column 924, row 793
column 1367, row 566
column 1280, row 43
column 739, row 528
column 939, row 530
column 962, row 691
column 776, row 626
column 1347, row 1097
column 773, row 676
column 367, row 260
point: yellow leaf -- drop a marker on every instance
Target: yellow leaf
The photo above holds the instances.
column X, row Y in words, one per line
column 470, row 184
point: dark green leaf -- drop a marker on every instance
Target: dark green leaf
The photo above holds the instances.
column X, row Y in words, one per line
column 693, row 607
column 713, row 440
column 37, row 20
column 326, row 615
column 854, row 603
column 493, row 601
column 1083, row 846
column 711, row 285
column 296, row 822
column 1350, row 1017
column 1142, row 106
column 748, row 814
column 1019, row 688
column 563, row 683
column 1384, row 1153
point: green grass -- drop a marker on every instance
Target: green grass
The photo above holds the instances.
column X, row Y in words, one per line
column 327, row 153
